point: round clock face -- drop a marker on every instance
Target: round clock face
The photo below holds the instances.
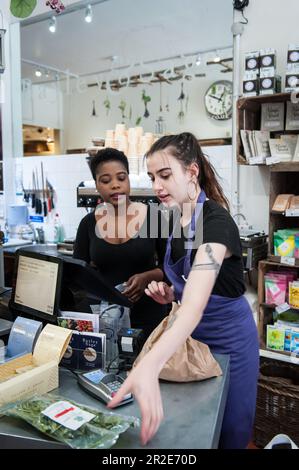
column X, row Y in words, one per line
column 219, row 100
column 267, row 60
column 252, row 64
column 249, row 86
column 294, row 56
column 266, row 83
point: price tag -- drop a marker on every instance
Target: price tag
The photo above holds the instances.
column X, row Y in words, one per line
column 292, row 213
column 288, row 260
column 282, row 308
column 272, row 160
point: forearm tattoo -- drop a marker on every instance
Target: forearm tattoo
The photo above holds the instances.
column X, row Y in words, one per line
column 213, row 265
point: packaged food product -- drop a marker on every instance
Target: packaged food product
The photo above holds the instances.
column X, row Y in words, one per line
column 100, row 432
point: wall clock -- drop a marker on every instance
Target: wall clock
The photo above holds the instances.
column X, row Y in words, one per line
column 219, row 100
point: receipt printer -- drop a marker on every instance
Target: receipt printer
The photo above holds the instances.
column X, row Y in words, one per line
column 130, row 342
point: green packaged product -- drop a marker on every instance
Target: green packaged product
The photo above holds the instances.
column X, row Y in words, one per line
column 284, row 242
column 100, row 432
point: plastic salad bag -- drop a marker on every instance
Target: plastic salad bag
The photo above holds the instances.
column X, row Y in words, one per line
column 83, row 427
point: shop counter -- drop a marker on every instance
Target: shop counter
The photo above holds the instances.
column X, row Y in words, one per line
column 193, row 414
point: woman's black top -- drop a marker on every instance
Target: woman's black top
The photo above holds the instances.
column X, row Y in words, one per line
column 119, row 262
column 218, row 227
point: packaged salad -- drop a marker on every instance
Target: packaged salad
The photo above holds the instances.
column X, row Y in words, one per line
column 79, row 426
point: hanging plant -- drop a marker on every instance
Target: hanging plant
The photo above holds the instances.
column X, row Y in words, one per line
column 181, row 115
column 146, row 99
column 186, row 104
column 130, row 113
column 24, row 8
column 182, row 95
column 122, row 107
column 138, row 121
column 107, row 105
column 93, row 113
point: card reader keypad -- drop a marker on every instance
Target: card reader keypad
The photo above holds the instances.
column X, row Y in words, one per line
column 114, row 386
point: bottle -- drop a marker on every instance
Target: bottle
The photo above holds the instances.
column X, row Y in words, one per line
column 58, row 235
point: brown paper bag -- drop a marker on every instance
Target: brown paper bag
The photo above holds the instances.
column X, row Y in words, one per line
column 192, row 361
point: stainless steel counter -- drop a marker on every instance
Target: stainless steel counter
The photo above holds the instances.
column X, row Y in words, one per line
column 193, row 416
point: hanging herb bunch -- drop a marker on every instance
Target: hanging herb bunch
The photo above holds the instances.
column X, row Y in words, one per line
column 107, row 105
column 146, row 99
column 181, row 98
column 24, row 8
column 93, row 112
column 122, row 107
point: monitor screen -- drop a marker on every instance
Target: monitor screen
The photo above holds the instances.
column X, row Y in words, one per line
column 37, row 287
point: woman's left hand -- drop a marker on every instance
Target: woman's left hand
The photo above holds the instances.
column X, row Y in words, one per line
column 135, row 286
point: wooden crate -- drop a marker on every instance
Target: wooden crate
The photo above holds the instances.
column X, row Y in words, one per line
column 265, row 311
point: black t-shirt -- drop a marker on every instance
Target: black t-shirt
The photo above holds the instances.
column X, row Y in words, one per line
column 119, row 262
column 218, row 227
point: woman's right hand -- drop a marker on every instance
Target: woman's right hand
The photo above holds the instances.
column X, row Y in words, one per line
column 160, row 292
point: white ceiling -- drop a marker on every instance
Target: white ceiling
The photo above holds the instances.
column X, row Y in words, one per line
column 133, row 30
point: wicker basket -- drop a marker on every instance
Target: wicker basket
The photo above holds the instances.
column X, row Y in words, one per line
column 277, row 408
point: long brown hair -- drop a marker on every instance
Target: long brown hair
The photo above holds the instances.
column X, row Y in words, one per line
column 186, row 149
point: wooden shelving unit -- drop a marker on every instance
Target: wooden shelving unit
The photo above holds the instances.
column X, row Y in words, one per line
column 284, row 179
column 249, row 118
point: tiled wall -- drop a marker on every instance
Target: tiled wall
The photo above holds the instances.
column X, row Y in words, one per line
column 67, row 171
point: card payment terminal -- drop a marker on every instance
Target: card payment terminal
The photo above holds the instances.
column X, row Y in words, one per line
column 103, row 385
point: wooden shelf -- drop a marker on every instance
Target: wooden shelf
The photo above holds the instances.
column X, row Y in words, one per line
column 249, row 118
column 283, row 356
column 285, row 167
column 283, row 214
column 277, row 260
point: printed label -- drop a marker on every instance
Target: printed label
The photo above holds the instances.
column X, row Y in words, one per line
column 68, row 415
column 287, row 260
column 282, row 308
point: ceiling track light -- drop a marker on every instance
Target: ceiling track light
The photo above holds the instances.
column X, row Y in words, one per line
column 198, row 60
column 88, row 14
column 38, row 73
column 52, row 25
column 217, row 58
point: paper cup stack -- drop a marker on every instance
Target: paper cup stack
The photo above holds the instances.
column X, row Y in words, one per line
column 134, row 136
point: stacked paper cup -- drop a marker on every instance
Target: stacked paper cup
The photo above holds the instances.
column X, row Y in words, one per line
column 134, row 135
column 109, row 139
column 145, row 144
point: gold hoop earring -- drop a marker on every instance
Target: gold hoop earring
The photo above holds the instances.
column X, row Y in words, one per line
column 195, row 190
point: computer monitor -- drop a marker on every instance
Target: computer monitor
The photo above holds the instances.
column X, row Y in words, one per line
column 36, row 292
column 83, row 285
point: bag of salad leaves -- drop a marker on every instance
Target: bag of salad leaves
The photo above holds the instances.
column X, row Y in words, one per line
column 77, row 425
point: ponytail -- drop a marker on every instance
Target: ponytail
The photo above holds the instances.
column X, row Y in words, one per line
column 187, row 150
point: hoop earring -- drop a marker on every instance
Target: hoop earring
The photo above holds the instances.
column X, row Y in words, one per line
column 195, row 189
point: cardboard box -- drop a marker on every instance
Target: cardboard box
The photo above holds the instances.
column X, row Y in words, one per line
column 35, row 373
column 251, row 84
column 293, row 54
column 252, row 61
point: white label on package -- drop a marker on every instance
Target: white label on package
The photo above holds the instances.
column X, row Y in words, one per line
column 282, row 308
column 288, row 260
column 68, row 415
column 127, row 344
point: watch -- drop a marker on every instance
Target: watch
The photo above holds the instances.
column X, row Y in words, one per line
column 219, row 100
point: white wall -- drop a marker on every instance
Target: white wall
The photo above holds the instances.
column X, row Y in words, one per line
column 80, row 126
column 271, row 23
column 42, row 105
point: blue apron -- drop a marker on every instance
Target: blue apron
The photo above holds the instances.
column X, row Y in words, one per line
column 227, row 327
